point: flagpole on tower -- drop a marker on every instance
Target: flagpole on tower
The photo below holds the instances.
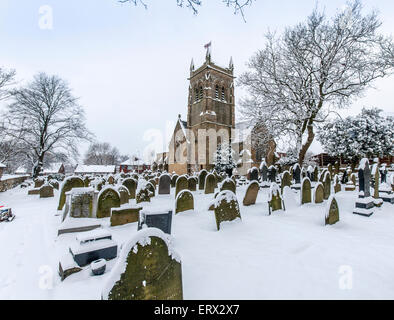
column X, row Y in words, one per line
column 208, row 47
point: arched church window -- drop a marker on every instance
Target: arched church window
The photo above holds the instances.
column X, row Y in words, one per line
column 223, row 96
column 195, row 94
column 201, row 93
column 217, row 92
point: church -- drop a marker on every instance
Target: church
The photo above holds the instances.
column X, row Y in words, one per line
column 210, row 122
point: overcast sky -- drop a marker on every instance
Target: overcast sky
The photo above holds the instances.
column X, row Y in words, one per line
column 129, row 66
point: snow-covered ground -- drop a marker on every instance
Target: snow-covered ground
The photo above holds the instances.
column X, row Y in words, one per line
column 288, row 255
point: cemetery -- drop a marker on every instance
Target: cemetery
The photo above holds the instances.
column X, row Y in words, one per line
column 95, row 246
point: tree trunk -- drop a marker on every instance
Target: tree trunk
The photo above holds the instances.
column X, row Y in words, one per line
column 307, row 144
column 37, row 168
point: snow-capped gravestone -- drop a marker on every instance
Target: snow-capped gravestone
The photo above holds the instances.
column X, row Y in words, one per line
column 210, row 184
column 297, row 173
column 68, row 184
column 226, row 207
column 54, row 184
column 337, row 185
column 184, row 201
column 192, row 183
column 46, row 191
column 131, row 185
column 181, row 184
column 147, row 269
column 306, row 191
column 173, row 180
column 254, row 174
column 125, row 214
column 383, row 173
column 156, row 219
column 345, row 177
column 251, row 193
column 330, row 170
column 151, row 187
column 38, row 182
column 286, row 180
column 86, row 181
column 201, row 179
column 143, row 194
column 123, row 194
column 274, row 199
column 264, row 175
column 336, row 167
column 108, row 198
column 309, row 173
column 81, row 202
column 228, row 184
column 332, row 211
column 318, row 193
column 272, row 174
column 364, row 203
column 164, row 184
column 327, row 185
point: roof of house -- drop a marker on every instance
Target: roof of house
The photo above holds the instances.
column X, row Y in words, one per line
column 83, row 168
column 131, row 162
column 21, row 170
column 52, row 168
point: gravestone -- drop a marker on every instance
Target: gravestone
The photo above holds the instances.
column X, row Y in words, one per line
column 336, row 167
column 156, row 219
column 38, row 182
column 345, row 177
column 86, row 181
column 67, row 185
column 210, row 184
column 151, row 187
column 272, row 174
column 184, row 201
column 111, row 180
column 149, row 269
column 274, row 198
column 226, row 207
column 337, row 185
column 201, row 179
column 254, row 174
column 181, row 184
column 383, row 173
column 46, row 191
column 315, row 174
column 286, row 180
column 309, row 173
column 192, row 183
column 332, row 211
column 108, row 198
column 376, row 175
column 164, row 184
column 124, row 194
column 306, row 191
column 131, row 185
column 330, row 170
column 229, row 184
column 297, row 173
column 153, row 182
column 365, row 202
column 327, row 185
column 319, row 193
column 143, row 194
column 81, row 202
column 121, row 216
column 251, row 193
column 54, row 184
column 264, row 171
column 173, row 180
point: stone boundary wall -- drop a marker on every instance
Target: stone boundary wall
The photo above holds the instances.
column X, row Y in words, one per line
column 7, row 184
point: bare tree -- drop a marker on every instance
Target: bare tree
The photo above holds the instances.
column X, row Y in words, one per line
column 45, row 117
column 237, row 5
column 103, row 154
column 313, row 68
column 6, row 79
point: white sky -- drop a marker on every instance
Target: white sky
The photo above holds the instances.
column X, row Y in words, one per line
column 129, row 66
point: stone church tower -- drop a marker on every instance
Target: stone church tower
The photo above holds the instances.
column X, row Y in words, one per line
column 210, row 116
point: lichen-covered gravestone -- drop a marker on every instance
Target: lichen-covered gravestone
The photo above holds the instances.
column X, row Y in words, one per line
column 121, row 216
column 108, row 198
column 68, row 184
column 38, row 182
column 181, row 184
column 46, row 191
column 327, row 185
column 286, row 180
column 201, row 179
column 184, row 201
column 164, row 184
column 81, row 202
column 319, row 193
column 306, row 191
column 151, row 188
column 210, row 184
column 332, row 211
column 147, row 269
column 229, row 184
column 143, row 194
column 226, row 207
column 251, row 193
column 192, row 183
column 173, row 180
column 131, row 185
column 124, row 194
column 274, row 198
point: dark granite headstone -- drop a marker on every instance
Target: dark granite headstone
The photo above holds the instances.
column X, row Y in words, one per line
column 161, row 220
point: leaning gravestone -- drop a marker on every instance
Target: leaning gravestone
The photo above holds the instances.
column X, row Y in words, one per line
column 108, row 198
column 327, row 185
column 46, row 191
column 226, row 207
column 210, row 184
column 181, row 184
column 164, row 184
column 365, row 203
column 274, row 198
column 131, row 185
column 184, row 201
column 332, row 211
column 201, row 179
column 229, row 184
column 319, row 193
column 192, row 183
column 251, row 193
column 67, row 185
column 306, row 191
column 147, row 269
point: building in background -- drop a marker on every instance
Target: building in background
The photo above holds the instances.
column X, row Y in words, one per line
column 83, row 169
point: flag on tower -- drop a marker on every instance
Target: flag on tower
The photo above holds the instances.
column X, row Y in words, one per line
column 208, row 45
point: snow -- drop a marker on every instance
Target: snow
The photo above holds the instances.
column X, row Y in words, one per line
column 2, row 165
column 11, row 176
column 86, row 169
column 288, row 255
